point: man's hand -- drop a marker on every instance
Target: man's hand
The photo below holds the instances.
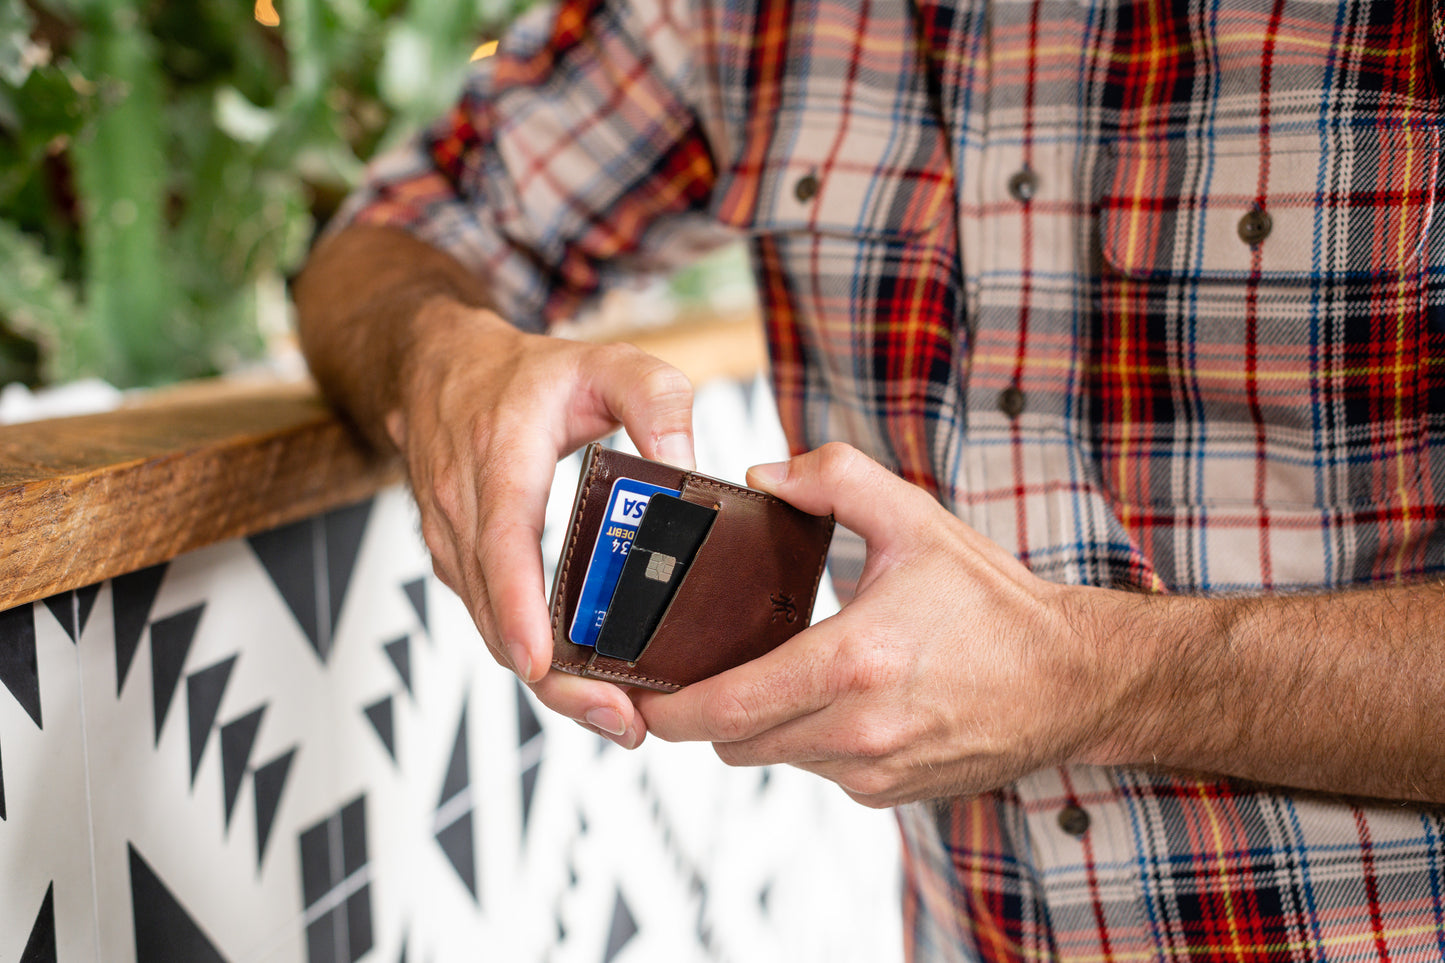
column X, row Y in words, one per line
column 954, row 670
column 486, row 412
column 400, row 335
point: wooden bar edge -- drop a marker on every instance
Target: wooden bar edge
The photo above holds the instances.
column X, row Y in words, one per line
column 88, row 498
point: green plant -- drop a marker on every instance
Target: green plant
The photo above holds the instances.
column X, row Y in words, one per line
column 163, row 164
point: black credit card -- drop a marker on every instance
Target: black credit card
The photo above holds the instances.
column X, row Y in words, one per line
column 671, row 532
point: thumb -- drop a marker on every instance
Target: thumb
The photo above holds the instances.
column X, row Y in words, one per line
column 653, row 400
column 861, row 494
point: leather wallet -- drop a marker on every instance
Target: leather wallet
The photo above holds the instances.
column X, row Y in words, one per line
column 707, row 579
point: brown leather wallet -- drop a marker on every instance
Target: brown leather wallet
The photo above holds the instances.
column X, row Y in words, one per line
column 749, row 587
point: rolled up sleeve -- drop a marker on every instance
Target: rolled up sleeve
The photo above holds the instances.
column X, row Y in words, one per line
column 574, row 160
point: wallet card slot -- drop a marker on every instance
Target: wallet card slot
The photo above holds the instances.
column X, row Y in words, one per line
column 668, row 538
column 600, row 471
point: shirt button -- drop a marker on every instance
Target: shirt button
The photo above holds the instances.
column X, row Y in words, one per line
column 1011, row 401
column 1074, row 821
column 807, row 188
column 1023, row 186
column 1255, row 226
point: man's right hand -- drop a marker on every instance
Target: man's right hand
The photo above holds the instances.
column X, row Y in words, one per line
column 482, row 412
column 486, row 413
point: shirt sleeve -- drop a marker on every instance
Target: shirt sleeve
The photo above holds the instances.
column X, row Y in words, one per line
column 573, row 160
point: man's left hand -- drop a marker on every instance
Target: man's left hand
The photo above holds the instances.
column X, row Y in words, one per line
column 953, row 671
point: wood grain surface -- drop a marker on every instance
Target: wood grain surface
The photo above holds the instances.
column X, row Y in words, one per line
column 88, row 498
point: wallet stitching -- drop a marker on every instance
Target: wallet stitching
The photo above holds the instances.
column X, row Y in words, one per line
column 616, row 676
column 567, row 562
column 741, row 492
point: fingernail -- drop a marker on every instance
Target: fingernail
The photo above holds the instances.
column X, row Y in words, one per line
column 770, row 475
column 608, row 720
column 522, row 662
column 676, row 449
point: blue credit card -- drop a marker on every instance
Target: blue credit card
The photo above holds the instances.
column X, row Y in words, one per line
column 619, row 527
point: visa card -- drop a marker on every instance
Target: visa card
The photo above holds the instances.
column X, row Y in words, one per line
column 625, row 506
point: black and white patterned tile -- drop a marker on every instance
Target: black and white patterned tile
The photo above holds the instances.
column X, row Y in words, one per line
column 294, row 748
column 44, row 839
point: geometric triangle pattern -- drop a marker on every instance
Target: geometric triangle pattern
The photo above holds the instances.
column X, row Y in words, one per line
column 458, row 777
column 416, row 593
column 399, row 652
column 171, row 640
column 62, row 606
column 72, row 609
column 19, row 668
column 311, row 563
column 164, row 931
column 269, row 780
column 458, row 843
column 379, row 714
column 454, row 832
column 131, row 599
column 84, row 603
column 623, row 928
column 40, row 948
column 529, row 792
column 203, row 701
column 343, row 529
column 289, row 555
column 238, row 738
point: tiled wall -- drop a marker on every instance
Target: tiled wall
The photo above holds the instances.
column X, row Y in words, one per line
column 293, row 747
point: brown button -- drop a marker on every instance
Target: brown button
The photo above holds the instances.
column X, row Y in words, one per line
column 1073, row 821
column 807, row 188
column 1255, row 226
column 1011, row 401
column 1023, row 186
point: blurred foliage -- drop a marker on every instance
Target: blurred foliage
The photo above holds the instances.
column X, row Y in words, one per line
column 162, row 163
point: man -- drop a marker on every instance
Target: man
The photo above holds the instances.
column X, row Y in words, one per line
column 1132, row 315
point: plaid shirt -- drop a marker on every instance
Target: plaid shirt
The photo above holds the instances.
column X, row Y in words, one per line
column 1146, row 292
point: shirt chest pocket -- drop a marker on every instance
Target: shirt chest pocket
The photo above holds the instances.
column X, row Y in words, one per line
column 851, row 223
column 1263, row 332
column 864, row 175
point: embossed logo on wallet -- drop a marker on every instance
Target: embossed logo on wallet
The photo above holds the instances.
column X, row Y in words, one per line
column 784, row 607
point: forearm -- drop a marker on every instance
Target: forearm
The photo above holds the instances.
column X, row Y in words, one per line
column 360, row 303
column 1341, row 692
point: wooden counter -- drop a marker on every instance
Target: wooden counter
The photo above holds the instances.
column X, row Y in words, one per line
column 88, row 498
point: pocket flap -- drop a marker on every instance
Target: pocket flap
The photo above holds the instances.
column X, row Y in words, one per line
column 859, row 175
column 1339, row 204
